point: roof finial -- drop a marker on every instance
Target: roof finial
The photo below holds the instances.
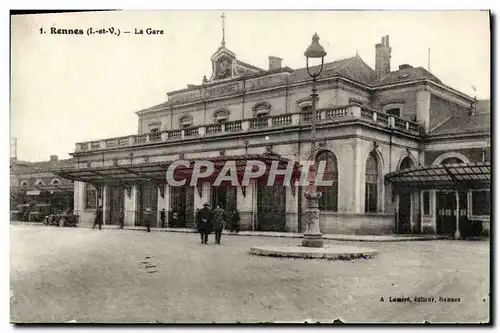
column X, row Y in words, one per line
column 223, row 43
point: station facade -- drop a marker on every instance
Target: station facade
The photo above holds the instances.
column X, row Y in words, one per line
column 35, row 183
column 371, row 125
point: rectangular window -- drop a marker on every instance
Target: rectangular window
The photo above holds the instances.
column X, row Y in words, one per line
column 328, row 200
column 371, row 198
column 427, row 203
column 90, row 197
column 481, row 203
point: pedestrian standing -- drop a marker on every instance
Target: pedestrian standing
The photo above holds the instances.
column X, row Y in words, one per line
column 122, row 219
column 235, row 221
column 162, row 217
column 204, row 223
column 219, row 215
column 147, row 219
column 98, row 217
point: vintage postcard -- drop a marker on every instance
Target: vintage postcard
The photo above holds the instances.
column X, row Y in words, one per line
column 250, row 167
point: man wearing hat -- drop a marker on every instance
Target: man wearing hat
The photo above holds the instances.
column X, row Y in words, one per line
column 204, row 222
column 219, row 218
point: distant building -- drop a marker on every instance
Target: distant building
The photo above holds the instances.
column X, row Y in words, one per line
column 35, row 182
column 373, row 126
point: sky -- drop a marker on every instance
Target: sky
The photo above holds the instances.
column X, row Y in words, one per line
column 75, row 88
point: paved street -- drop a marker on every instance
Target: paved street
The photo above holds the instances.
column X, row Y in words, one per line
column 64, row 274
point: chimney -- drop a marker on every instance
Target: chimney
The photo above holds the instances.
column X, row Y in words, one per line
column 54, row 158
column 383, row 58
column 274, row 62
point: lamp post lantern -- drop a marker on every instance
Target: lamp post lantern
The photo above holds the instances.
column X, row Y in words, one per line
column 312, row 234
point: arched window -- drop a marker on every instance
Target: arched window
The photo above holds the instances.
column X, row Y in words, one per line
column 39, row 182
column 261, row 109
column 307, row 108
column 394, row 112
column 406, row 163
column 371, row 181
column 186, row 121
column 55, row 182
column 154, row 127
column 452, row 160
column 393, row 107
column 221, row 116
column 24, row 183
column 327, row 161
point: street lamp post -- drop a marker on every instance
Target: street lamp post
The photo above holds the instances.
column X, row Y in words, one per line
column 312, row 235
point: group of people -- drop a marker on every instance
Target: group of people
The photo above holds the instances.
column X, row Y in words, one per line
column 215, row 220
column 207, row 220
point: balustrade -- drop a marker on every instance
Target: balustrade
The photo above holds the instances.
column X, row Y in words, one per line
column 214, row 128
column 191, row 131
column 175, row 134
column 140, row 139
column 285, row 119
column 154, row 136
column 260, row 122
column 233, row 126
column 290, row 119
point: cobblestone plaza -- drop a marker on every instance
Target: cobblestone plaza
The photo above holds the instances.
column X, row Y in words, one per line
column 105, row 276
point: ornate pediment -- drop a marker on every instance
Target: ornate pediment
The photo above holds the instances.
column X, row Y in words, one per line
column 226, row 66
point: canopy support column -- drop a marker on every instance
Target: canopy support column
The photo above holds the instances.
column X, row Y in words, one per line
column 457, row 212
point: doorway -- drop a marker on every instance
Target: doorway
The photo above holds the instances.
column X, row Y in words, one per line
column 147, row 208
column 446, row 215
column 404, row 213
column 114, row 205
column 182, row 207
column 271, row 207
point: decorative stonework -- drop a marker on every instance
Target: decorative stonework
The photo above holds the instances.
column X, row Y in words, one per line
column 219, row 91
column 223, row 67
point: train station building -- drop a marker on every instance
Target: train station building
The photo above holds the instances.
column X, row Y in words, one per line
column 406, row 152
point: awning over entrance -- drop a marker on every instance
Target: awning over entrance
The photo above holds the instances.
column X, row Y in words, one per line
column 156, row 171
column 443, row 176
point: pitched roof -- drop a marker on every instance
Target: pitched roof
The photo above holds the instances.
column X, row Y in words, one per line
column 408, row 74
column 35, row 167
column 467, row 123
column 352, row 68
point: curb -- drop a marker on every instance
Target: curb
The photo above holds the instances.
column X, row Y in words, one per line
column 345, row 238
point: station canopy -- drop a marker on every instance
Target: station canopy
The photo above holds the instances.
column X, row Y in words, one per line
column 156, row 171
column 442, row 176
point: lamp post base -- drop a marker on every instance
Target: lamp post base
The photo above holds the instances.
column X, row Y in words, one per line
column 312, row 236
